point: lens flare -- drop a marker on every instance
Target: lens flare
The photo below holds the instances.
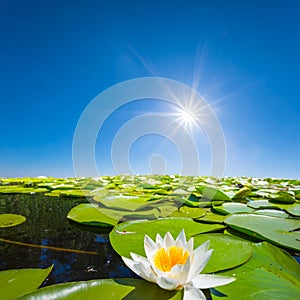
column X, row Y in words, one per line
column 185, row 117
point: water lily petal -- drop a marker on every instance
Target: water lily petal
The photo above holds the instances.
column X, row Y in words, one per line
column 150, row 247
column 158, row 271
column 189, row 246
column 168, row 240
column 176, row 272
column 147, row 273
column 131, row 264
column 202, row 248
column 181, row 237
column 140, row 259
column 168, row 283
column 144, row 271
column 181, row 272
column 199, row 263
column 192, row 293
column 159, row 241
column 178, row 244
column 206, row 281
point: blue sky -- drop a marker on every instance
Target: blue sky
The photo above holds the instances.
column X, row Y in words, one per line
column 57, row 56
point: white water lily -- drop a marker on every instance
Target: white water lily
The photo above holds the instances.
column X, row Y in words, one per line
column 173, row 265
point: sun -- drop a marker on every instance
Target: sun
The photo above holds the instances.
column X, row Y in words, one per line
column 185, row 117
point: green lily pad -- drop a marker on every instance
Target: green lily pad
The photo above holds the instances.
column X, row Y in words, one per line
column 115, row 289
column 74, row 193
column 89, row 214
column 10, row 220
column 100, row 192
column 223, row 257
column 244, row 191
column 189, row 212
column 17, row 189
column 212, row 193
column 282, row 197
column 121, row 215
column 293, row 209
column 241, row 235
column 271, row 213
column 232, row 208
column 129, row 236
column 271, row 273
column 63, row 186
column 261, row 204
column 279, row 231
column 213, row 217
column 15, row 283
column 150, row 210
column 168, row 210
column 39, row 190
column 194, row 201
column 121, row 201
column 260, row 284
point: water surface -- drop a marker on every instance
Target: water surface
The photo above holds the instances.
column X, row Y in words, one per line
column 47, row 225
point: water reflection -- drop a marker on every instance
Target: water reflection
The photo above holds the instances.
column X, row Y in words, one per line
column 47, row 225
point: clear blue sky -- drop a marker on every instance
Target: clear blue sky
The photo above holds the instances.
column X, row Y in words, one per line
column 56, row 56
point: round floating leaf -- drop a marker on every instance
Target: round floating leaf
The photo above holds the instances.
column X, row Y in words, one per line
column 242, row 193
column 212, row 193
column 14, row 283
column 271, row 273
column 232, row 208
column 121, row 215
column 10, row 220
column 223, row 256
column 39, row 190
column 89, row 214
column 132, row 207
column 189, row 212
column 279, row 231
column 64, row 186
column 272, row 213
column 74, row 193
column 241, row 235
column 260, row 284
column 152, row 209
column 282, row 197
column 261, row 204
column 121, row 201
column 212, row 217
column 100, row 192
column 129, row 236
column 294, row 209
column 115, row 289
column 17, row 189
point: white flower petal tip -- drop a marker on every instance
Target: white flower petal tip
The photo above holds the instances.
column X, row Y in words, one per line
column 149, row 244
column 173, row 264
column 168, row 240
column 168, row 283
column 181, row 237
column 192, row 293
column 207, row 281
column 203, row 247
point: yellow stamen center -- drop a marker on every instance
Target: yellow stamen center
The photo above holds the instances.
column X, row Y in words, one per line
column 166, row 259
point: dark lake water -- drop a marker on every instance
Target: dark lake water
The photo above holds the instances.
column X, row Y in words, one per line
column 47, row 225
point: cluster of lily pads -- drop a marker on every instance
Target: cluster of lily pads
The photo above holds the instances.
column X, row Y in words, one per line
column 253, row 226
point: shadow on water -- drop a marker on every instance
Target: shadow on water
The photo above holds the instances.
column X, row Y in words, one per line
column 47, row 225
